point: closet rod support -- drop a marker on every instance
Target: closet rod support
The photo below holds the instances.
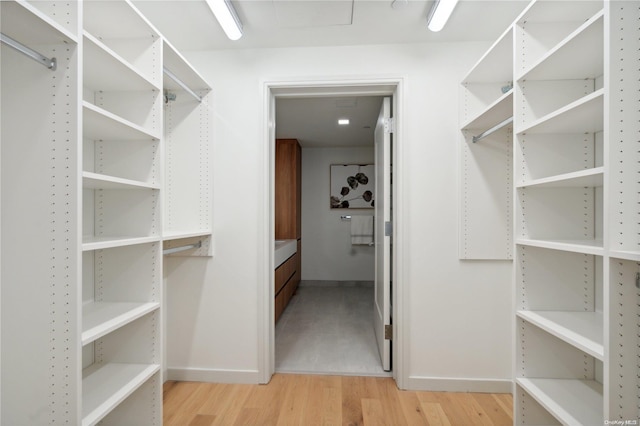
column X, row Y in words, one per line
column 182, row 248
column 50, row 63
column 347, row 217
column 180, row 83
column 492, row 130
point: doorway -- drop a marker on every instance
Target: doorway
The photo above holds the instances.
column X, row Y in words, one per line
column 346, row 91
column 328, row 327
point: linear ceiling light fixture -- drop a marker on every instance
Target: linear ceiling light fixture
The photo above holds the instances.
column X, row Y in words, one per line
column 440, row 13
column 227, row 17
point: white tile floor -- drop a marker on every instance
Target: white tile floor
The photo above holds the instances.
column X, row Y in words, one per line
column 328, row 330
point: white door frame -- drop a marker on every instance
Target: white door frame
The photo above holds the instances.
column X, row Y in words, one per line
column 272, row 89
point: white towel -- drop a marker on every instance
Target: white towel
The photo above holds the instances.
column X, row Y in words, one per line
column 361, row 230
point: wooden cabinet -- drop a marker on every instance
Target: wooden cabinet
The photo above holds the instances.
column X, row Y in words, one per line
column 288, row 178
column 288, row 223
column 285, row 283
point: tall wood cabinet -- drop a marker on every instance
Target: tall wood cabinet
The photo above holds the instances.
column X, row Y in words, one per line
column 576, row 162
column 288, row 216
column 84, row 205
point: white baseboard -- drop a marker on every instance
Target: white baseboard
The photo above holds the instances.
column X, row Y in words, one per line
column 453, row 384
column 213, row 376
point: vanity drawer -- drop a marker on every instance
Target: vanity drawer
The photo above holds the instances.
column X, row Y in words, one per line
column 284, row 272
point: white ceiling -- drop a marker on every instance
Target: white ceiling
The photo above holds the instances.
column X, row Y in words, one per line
column 189, row 25
column 314, row 121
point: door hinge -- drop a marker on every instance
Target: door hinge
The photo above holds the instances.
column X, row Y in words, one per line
column 388, row 332
column 388, row 229
column 389, row 125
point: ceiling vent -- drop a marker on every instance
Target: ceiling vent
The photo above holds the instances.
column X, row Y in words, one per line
column 313, row 13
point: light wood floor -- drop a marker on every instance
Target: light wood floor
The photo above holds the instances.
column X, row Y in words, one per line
column 292, row 399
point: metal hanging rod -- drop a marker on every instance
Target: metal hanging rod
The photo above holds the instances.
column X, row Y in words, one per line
column 182, row 248
column 50, row 63
column 180, row 83
column 493, row 129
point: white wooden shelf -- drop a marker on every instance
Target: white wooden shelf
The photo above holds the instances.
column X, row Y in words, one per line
column 568, row 59
column 90, row 243
column 495, row 113
column 582, row 116
column 583, row 330
column 92, row 180
column 633, row 256
column 100, row 16
column 28, row 25
column 177, row 235
column 496, row 65
column 104, row 386
column 101, row 318
column 100, row 124
column 581, row 179
column 575, row 246
column 179, row 66
column 572, row 402
column 105, row 70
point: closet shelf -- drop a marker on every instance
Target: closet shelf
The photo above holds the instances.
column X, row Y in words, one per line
column 100, row 16
column 90, row 243
column 568, row 61
column 572, row 402
column 583, row 330
column 105, row 70
column 496, row 64
column 179, row 66
column 101, row 318
column 98, row 181
column 27, row 24
column 593, row 247
column 582, row 116
column 100, row 124
column 495, row 113
column 104, row 386
column 633, row 256
column 583, row 178
column 177, row 235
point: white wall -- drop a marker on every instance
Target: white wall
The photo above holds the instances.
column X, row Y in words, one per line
column 327, row 253
column 458, row 314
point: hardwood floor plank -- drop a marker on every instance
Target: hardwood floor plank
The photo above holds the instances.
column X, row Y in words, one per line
column 494, row 410
column 389, row 395
column 473, row 410
column 506, row 403
column 372, row 413
column 324, row 401
column 237, row 397
column 202, row 420
column 435, row 414
column 411, row 408
column 294, row 401
column 451, row 407
column 311, row 400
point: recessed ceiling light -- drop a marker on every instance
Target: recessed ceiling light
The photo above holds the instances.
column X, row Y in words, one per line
column 343, row 121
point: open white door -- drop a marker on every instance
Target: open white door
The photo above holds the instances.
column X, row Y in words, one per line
column 382, row 233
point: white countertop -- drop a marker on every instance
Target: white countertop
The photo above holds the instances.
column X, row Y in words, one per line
column 284, row 249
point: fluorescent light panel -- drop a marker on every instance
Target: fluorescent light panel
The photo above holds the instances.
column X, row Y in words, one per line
column 440, row 13
column 343, row 121
column 227, row 17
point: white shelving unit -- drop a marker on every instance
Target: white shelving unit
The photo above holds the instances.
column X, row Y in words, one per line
column 486, row 230
column 122, row 185
column 84, row 178
column 565, row 120
column 576, row 215
column 188, row 136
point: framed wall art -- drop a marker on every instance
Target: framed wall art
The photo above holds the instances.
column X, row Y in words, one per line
column 352, row 186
